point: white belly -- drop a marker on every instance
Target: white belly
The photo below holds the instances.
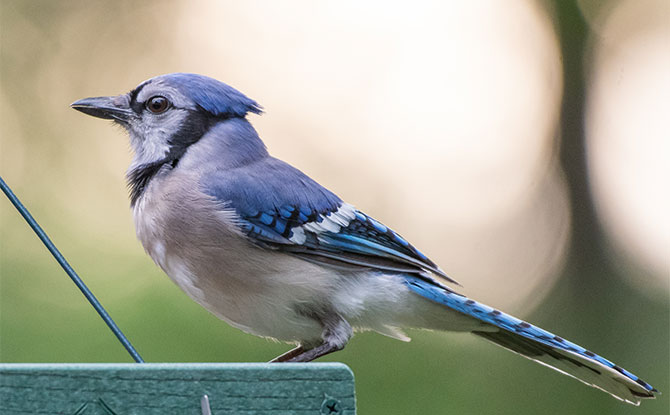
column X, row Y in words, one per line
column 266, row 292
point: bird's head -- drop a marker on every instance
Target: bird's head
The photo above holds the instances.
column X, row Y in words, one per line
column 166, row 114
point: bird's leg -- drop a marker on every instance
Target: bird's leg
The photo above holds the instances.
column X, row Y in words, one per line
column 288, row 355
column 314, row 353
column 336, row 334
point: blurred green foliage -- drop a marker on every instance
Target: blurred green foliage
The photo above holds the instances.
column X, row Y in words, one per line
column 43, row 318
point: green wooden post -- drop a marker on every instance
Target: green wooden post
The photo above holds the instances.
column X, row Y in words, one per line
column 166, row 388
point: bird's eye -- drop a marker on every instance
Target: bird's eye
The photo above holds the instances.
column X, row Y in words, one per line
column 158, row 104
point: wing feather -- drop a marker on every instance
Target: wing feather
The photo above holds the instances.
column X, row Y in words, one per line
column 281, row 208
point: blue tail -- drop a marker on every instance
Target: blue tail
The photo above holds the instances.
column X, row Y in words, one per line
column 540, row 345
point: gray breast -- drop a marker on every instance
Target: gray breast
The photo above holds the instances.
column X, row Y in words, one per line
column 194, row 239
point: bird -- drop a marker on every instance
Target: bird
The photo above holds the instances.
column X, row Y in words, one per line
column 267, row 249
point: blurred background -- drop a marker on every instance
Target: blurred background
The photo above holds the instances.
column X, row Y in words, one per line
column 522, row 145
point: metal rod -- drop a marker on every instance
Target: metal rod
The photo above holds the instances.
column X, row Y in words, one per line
column 204, row 405
column 69, row 271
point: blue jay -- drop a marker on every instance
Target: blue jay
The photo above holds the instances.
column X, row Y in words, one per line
column 270, row 251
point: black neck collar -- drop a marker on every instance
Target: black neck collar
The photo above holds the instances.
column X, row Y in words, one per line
column 192, row 130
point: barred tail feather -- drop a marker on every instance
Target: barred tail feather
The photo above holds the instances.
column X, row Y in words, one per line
column 570, row 363
column 542, row 346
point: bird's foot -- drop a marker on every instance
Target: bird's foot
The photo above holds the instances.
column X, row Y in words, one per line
column 301, row 355
column 288, row 355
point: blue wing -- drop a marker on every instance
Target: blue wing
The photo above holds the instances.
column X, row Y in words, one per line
column 281, row 208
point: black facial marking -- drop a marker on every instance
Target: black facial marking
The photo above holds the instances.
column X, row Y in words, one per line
column 139, row 178
column 192, row 129
column 136, row 106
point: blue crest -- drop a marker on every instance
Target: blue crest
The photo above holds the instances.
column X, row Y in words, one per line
column 211, row 95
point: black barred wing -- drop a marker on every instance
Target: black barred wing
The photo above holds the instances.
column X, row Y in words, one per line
column 343, row 237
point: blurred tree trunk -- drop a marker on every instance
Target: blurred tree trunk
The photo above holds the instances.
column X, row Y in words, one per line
column 587, row 262
column 593, row 300
column 590, row 285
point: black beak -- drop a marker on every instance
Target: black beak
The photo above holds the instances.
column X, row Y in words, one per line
column 109, row 108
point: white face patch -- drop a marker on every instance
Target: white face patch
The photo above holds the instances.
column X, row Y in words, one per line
column 149, row 137
column 150, row 133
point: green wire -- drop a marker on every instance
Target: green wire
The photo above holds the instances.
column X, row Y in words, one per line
column 69, row 271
